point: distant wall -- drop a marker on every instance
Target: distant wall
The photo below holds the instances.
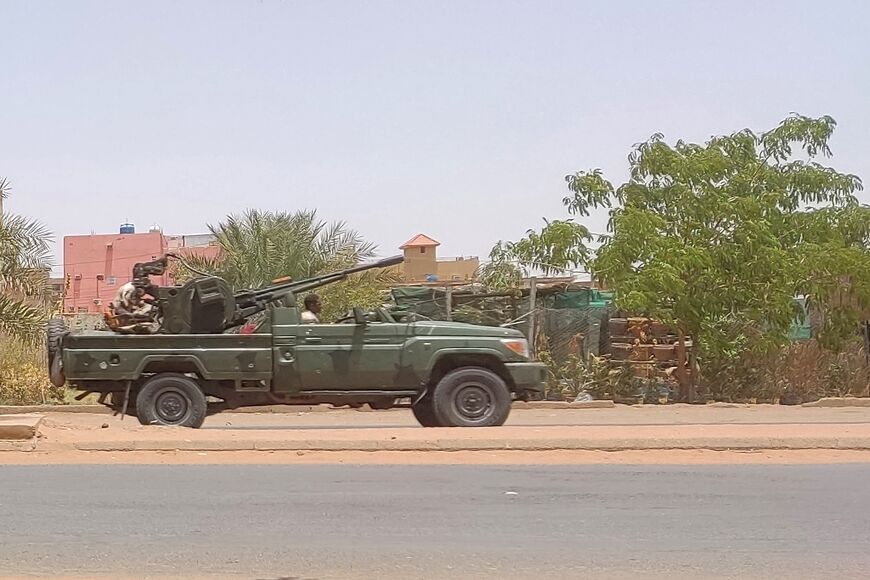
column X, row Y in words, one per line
column 97, row 265
column 457, row 269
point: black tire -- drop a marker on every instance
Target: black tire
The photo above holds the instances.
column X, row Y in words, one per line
column 54, row 335
column 471, row 397
column 55, row 372
column 424, row 412
column 171, row 399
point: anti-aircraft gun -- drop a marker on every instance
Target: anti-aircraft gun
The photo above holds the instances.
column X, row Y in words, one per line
column 208, row 305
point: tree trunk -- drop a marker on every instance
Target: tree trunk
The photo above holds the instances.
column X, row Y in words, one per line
column 685, row 386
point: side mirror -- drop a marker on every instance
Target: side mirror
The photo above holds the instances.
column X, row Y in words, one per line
column 359, row 316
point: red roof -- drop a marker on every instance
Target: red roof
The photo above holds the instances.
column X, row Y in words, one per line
column 419, row 241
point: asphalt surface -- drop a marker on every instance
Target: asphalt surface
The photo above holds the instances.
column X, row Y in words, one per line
column 339, row 521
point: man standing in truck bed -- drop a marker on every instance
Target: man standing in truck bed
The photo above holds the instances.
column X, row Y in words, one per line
column 312, row 309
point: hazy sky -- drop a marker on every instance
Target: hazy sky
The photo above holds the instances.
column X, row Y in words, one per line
column 457, row 119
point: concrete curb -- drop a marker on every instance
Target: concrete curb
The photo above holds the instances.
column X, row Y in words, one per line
column 29, row 445
column 563, row 405
column 605, row 404
column 27, row 409
column 102, row 410
column 556, row 444
column 839, row 402
column 19, row 427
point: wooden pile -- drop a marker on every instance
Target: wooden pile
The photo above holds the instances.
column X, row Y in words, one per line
column 653, row 350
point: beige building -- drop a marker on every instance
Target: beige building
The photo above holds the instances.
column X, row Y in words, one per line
column 422, row 264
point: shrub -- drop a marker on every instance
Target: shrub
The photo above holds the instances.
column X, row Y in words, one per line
column 24, row 376
column 595, row 375
column 798, row 372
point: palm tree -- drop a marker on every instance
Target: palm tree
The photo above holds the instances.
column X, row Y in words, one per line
column 25, row 263
column 259, row 247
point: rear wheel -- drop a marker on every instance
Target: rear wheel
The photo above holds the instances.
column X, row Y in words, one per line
column 471, row 397
column 171, row 399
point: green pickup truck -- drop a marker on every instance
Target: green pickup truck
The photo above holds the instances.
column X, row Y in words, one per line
column 455, row 375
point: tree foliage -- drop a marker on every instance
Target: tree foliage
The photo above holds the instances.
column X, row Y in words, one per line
column 500, row 272
column 560, row 245
column 259, row 247
column 718, row 238
column 25, row 263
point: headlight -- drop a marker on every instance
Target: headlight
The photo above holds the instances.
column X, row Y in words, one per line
column 518, row 345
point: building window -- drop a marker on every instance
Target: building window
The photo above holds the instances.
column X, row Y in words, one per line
column 71, row 309
column 422, row 250
column 110, row 281
column 83, row 309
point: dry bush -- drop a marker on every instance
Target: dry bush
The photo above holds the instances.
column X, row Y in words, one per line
column 24, row 376
column 798, row 372
column 805, row 371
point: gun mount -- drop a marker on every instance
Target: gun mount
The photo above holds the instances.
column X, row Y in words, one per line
column 206, row 304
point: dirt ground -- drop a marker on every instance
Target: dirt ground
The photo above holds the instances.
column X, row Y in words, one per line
column 76, row 438
column 624, row 415
column 525, row 424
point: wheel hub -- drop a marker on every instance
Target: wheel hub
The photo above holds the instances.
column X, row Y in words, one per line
column 171, row 406
column 473, row 401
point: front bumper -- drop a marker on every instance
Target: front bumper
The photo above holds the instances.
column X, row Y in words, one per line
column 528, row 376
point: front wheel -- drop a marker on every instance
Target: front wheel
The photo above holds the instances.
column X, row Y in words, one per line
column 171, row 399
column 471, row 397
column 424, row 412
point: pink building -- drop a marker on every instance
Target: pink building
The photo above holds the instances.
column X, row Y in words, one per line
column 94, row 266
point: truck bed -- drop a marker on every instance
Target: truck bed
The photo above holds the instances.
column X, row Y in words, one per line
column 105, row 355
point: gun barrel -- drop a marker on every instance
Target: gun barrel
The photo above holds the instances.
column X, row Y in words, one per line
column 385, row 263
column 267, row 293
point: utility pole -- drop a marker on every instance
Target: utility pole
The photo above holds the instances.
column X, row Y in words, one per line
column 448, row 301
column 533, row 296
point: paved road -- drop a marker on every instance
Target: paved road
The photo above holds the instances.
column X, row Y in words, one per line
column 436, row 521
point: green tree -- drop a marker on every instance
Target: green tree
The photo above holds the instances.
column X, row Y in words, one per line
column 259, row 247
column 25, row 263
column 718, row 238
column 501, row 272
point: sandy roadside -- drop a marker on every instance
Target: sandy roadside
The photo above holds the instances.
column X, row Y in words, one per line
column 684, row 435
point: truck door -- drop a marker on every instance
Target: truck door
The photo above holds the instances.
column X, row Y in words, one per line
column 349, row 356
column 285, row 371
